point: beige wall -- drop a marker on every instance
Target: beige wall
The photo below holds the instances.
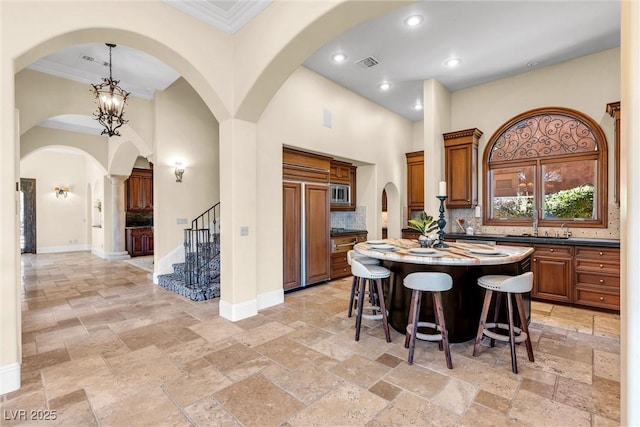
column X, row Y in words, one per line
column 586, row 84
column 61, row 222
column 362, row 132
column 187, row 132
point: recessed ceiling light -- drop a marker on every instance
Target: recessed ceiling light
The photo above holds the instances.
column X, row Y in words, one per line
column 339, row 57
column 384, row 86
column 418, row 106
column 453, row 62
column 413, row 20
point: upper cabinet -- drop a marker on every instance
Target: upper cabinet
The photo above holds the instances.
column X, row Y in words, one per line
column 343, row 186
column 461, row 168
column 415, row 182
column 614, row 111
column 139, row 191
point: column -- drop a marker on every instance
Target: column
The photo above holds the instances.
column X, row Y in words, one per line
column 117, row 250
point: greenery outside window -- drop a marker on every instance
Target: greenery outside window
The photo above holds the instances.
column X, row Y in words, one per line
column 548, row 164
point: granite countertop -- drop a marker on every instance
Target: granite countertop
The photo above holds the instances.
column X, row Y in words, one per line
column 140, row 226
column 540, row 240
column 342, row 231
column 461, row 254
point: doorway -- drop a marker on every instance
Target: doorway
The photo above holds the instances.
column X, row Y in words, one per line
column 27, row 215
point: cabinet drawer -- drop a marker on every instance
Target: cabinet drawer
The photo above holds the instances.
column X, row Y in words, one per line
column 338, row 272
column 604, row 254
column 339, row 259
column 554, row 251
column 599, row 266
column 598, row 280
column 598, row 298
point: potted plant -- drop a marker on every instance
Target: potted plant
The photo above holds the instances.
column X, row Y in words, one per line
column 425, row 225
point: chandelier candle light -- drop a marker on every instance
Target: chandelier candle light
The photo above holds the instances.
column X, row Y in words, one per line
column 110, row 99
column 442, row 196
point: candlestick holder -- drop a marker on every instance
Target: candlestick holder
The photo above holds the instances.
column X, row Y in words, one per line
column 441, row 223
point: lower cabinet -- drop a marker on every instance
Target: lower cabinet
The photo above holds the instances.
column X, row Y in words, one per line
column 139, row 241
column 339, row 248
column 581, row 275
column 552, row 273
column 597, row 272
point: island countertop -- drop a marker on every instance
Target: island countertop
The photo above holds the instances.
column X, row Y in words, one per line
column 458, row 253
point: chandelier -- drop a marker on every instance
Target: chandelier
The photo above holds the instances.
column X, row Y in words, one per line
column 110, row 99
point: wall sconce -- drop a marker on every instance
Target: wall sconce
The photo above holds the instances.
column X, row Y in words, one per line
column 179, row 171
column 61, row 191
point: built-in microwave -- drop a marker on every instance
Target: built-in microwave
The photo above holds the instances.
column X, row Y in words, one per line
column 340, row 194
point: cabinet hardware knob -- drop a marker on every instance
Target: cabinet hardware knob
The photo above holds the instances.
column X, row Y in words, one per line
column 601, row 265
column 551, row 250
column 600, row 253
column 601, row 280
column 535, row 260
column 601, row 298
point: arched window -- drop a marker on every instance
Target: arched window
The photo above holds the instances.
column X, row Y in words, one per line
column 547, row 165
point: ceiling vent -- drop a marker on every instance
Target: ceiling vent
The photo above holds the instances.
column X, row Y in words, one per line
column 92, row 59
column 367, row 62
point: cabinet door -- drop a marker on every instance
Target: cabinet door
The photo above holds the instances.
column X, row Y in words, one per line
column 146, row 192
column 551, row 278
column 292, row 234
column 148, row 243
column 134, row 191
column 317, row 240
column 460, row 179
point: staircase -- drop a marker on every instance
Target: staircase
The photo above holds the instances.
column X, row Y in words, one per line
column 198, row 277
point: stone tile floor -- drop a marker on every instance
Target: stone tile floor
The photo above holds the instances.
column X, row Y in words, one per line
column 104, row 346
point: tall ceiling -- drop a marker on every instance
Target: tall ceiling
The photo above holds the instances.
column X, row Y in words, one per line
column 492, row 39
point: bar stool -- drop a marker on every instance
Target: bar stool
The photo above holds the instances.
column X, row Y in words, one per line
column 435, row 283
column 363, row 273
column 516, row 285
column 351, row 255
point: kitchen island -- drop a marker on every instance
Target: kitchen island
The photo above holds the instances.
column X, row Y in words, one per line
column 464, row 262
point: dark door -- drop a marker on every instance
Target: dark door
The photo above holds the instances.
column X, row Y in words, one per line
column 28, row 215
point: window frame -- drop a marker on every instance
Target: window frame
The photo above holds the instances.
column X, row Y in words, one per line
column 601, row 180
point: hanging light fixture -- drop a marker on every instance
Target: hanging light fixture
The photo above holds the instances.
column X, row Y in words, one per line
column 111, row 99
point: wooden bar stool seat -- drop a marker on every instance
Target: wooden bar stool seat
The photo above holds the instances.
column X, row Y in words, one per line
column 435, row 283
column 374, row 274
column 509, row 285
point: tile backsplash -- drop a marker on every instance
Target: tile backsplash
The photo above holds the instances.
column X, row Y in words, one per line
column 353, row 220
column 611, row 232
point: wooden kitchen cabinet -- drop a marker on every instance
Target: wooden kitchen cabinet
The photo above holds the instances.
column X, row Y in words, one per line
column 340, row 172
column 139, row 191
column 344, row 173
column 597, row 277
column 552, row 273
column 461, row 168
column 340, row 245
column 291, row 230
column 139, row 241
column 415, row 183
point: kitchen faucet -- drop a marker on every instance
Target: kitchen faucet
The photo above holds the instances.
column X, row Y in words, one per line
column 565, row 230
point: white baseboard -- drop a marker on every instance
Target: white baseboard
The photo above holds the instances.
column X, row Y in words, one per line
column 269, row 299
column 99, row 253
column 118, row 255
column 9, row 378
column 235, row 312
column 55, row 249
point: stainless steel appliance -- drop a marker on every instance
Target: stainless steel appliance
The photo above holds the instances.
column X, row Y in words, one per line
column 340, row 194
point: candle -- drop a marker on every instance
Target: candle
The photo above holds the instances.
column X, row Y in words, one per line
column 442, row 188
column 478, row 212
